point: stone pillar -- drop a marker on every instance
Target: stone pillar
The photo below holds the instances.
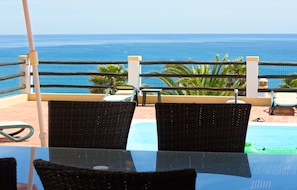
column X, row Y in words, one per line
column 26, row 80
column 252, row 72
column 134, row 69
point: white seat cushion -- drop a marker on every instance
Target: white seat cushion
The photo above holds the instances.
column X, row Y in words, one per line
column 233, row 102
column 117, row 98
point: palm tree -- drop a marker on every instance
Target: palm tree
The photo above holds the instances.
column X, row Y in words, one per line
column 289, row 82
column 201, row 82
column 108, row 80
column 233, row 69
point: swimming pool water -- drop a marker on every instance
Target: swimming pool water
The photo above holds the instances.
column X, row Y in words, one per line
column 272, row 136
column 143, row 135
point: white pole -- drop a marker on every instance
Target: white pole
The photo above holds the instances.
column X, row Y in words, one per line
column 33, row 57
column 31, row 169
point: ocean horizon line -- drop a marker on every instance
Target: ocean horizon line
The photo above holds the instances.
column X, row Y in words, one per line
column 49, row 34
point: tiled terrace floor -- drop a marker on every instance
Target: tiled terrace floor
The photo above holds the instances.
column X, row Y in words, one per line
column 27, row 112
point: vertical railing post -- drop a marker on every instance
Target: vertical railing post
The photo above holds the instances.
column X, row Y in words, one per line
column 25, row 80
column 134, row 69
column 252, row 72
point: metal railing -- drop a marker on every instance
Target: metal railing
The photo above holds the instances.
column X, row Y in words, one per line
column 291, row 66
column 76, row 74
column 67, row 72
column 141, row 75
column 189, row 75
column 10, row 78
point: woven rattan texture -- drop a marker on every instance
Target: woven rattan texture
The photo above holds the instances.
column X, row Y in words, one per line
column 54, row 176
column 8, row 177
column 202, row 127
column 89, row 124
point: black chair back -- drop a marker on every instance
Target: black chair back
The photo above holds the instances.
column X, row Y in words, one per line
column 89, row 124
column 56, row 176
column 202, row 127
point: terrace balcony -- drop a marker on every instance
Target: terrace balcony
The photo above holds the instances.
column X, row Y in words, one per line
column 18, row 100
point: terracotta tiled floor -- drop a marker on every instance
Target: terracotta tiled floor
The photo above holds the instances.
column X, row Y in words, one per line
column 27, row 112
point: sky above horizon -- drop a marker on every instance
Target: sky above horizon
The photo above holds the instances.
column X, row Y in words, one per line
column 148, row 17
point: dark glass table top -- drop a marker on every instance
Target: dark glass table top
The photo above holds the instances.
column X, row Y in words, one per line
column 214, row 170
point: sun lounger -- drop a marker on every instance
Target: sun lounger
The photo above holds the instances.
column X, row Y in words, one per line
column 19, row 126
column 121, row 93
column 282, row 99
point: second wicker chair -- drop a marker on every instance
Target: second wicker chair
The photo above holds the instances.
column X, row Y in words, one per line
column 55, row 176
column 89, row 124
column 202, row 127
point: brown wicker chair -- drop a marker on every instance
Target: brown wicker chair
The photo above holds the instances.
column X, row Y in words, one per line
column 55, row 176
column 89, row 124
column 8, row 177
column 202, row 127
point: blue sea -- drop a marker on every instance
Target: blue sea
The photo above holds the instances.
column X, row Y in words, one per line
column 117, row 47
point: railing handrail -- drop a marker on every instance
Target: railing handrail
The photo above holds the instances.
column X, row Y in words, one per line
column 12, row 89
column 193, row 75
column 84, row 62
column 192, row 62
column 80, row 73
column 12, row 63
column 71, row 86
column 266, row 63
column 16, row 75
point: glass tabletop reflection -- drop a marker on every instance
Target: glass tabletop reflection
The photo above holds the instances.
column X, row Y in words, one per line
column 214, row 170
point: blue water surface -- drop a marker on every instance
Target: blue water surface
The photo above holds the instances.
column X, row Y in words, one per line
column 143, row 135
column 202, row 47
column 117, row 47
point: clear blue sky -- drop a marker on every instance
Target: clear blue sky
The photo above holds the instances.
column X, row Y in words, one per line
column 150, row 16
